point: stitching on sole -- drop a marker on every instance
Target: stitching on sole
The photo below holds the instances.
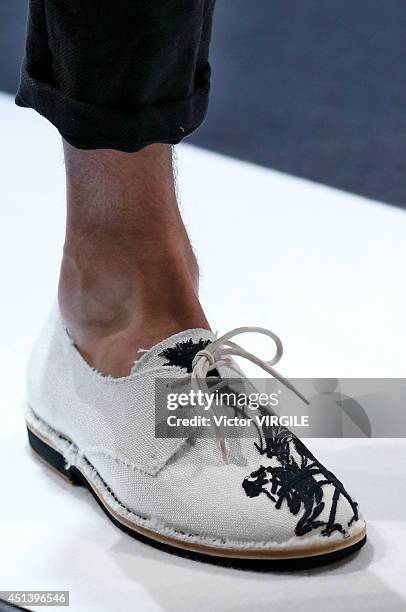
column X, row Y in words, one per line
column 160, row 529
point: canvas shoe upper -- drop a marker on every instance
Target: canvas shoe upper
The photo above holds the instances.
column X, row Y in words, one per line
column 272, row 496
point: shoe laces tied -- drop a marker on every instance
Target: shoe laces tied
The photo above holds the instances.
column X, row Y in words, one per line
column 218, row 353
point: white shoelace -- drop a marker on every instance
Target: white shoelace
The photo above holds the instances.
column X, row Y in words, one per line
column 217, row 354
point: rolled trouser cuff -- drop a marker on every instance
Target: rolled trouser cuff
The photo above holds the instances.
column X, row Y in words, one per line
column 88, row 126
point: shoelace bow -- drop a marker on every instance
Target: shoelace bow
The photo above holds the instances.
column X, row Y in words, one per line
column 217, row 354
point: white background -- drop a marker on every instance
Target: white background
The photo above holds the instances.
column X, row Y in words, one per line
column 322, row 268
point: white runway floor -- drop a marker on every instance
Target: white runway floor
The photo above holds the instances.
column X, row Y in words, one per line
column 322, row 268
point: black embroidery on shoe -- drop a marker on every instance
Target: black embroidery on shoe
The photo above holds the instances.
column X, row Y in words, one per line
column 182, row 353
column 298, row 481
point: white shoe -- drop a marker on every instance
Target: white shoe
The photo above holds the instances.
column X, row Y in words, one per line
column 278, row 504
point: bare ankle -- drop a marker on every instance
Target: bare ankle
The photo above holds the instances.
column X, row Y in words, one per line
column 114, row 306
column 129, row 277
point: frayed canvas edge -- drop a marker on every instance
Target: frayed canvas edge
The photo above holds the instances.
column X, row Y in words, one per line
column 151, row 469
column 75, row 458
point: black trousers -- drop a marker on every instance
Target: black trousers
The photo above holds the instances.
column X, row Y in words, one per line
column 118, row 74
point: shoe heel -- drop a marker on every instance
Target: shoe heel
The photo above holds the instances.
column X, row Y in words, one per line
column 52, row 458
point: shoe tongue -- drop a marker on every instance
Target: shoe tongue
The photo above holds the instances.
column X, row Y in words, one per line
column 178, row 350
